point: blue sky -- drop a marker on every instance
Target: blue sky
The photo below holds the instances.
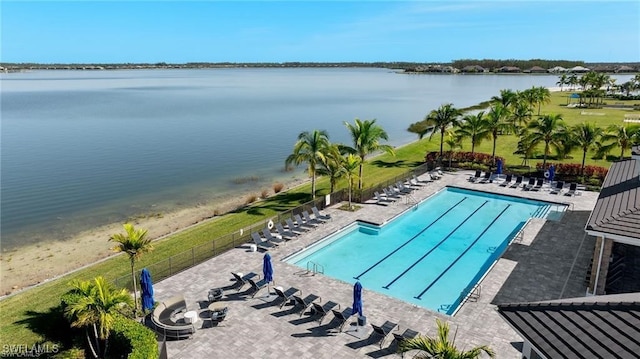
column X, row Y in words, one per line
column 323, row 31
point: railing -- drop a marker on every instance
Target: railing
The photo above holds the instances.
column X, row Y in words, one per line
column 314, row 268
column 198, row 254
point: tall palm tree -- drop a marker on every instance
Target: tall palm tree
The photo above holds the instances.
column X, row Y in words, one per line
column 621, row 136
column 96, row 305
column 474, row 127
column 134, row 243
column 497, row 123
column 440, row 119
column 349, row 166
column 331, row 165
column 586, row 136
column 441, row 347
column 548, row 129
column 366, row 136
column 311, row 148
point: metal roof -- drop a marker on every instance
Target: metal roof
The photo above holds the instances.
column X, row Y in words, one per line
column 590, row 327
column 617, row 210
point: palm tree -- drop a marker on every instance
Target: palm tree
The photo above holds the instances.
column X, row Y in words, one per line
column 506, row 98
column 549, row 129
column 585, row 136
column 541, row 95
column 96, row 305
column 520, row 115
column 366, row 136
column 135, row 243
column 474, row 127
column 496, row 124
column 621, row 136
column 441, row 347
column 452, row 140
column 331, row 165
column 440, row 119
column 349, row 166
column 563, row 80
column 311, row 148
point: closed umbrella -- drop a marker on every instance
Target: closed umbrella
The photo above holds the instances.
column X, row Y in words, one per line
column 357, row 299
column 552, row 172
column 267, row 271
column 267, row 268
column 147, row 289
column 499, row 167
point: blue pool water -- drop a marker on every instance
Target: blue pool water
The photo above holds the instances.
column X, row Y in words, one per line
column 433, row 254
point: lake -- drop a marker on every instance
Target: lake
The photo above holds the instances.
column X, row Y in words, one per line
column 86, row 148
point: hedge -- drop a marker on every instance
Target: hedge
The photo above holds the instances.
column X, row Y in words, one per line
column 573, row 169
column 132, row 337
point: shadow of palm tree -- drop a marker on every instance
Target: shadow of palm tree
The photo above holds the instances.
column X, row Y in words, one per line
column 51, row 325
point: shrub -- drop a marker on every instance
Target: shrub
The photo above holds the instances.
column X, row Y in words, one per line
column 129, row 336
column 278, row 187
column 73, row 353
column 264, row 193
column 252, row 198
column 573, row 169
column 467, row 159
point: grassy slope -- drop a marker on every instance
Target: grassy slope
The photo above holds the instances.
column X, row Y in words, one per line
column 18, row 313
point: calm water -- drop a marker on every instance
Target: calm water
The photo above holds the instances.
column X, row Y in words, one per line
column 431, row 254
column 81, row 149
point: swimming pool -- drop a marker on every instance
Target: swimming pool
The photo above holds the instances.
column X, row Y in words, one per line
column 433, row 254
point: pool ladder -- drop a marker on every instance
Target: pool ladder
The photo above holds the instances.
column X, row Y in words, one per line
column 313, row 268
column 410, row 200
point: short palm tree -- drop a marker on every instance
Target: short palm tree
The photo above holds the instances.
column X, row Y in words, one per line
column 550, row 130
column 440, row 119
column 349, row 166
column 541, row 95
column 506, row 98
column 621, row 136
column 474, row 127
column 452, row 140
column 331, row 165
column 441, row 347
column 366, row 136
column 586, row 136
column 311, row 148
column 520, row 115
column 95, row 305
column 134, row 243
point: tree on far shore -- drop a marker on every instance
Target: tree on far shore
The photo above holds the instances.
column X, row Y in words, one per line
column 134, row 243
column 311, row 148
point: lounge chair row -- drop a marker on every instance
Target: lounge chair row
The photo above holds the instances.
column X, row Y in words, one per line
column 393, row 193
column 537, row 184
column 273, row 240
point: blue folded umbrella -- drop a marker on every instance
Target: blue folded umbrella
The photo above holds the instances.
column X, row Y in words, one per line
column 357, row 299
column 146, row 286
column 267, row 268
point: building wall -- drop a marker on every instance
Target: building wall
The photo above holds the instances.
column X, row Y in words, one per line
column 604, row 265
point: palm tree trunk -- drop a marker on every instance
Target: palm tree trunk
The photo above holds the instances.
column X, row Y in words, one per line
column 361, row 172
column 544, row 161
column 584, row 157
column 313, row 185
column 135, row 287
column 91, row 343
column 106, row 346
column 350, row 189
column 493, row 153
column 441, row 142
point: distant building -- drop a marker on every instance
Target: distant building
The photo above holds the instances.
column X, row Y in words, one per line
column 624, row 68
column 508, row 69
column 579, row 69
column 473, row 69
column 557, row 69
column 536, row 70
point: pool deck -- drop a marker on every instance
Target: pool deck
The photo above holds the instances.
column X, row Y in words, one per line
column 549, row 261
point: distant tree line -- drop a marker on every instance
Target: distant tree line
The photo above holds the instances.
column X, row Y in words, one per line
column 523, row 64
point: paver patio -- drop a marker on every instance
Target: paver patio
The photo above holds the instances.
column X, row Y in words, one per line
column 549, row 261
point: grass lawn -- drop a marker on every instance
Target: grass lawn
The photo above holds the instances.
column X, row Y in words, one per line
column 23, row 316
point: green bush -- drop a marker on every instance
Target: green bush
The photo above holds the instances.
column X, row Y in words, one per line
column 129, row 336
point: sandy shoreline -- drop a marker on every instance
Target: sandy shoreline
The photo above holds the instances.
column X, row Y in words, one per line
column 36, row 263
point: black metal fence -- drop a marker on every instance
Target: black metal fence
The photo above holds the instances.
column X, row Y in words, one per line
column 198, row 254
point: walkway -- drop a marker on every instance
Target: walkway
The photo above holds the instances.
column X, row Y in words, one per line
column 541, row 265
